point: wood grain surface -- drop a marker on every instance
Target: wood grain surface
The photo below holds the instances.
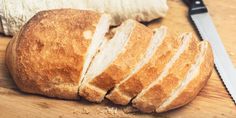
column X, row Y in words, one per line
column 213, row 100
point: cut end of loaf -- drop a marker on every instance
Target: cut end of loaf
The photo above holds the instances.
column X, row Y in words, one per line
column 97, row 40
column 108, row 51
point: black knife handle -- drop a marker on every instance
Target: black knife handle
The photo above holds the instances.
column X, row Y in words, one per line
column 196, row 6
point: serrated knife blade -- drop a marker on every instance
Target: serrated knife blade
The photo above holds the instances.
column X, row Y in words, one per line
column 203, row 22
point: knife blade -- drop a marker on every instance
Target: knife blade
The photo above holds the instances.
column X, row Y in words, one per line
column 201, row 19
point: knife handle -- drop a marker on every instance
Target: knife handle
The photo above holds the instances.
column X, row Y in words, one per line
column 195, row 6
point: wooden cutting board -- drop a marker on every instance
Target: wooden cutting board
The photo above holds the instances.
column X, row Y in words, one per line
column 213, row 100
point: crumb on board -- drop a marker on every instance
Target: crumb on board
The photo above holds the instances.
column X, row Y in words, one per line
column 75, row 112
column 85, row 111
column 99, row 110
column 107, row 111
column 129, row 109
column 111, row 110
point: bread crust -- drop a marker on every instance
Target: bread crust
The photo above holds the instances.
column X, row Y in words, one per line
column 150, row 100
column 197, row 83
column 47, row 55
column 148, row 73
column 122, row 65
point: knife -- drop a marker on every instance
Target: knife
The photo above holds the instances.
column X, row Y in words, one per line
column 198, row 13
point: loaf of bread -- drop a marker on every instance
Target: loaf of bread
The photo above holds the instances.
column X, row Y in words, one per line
column 68, row 53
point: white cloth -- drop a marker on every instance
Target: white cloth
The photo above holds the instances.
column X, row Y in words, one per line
column 14, row 13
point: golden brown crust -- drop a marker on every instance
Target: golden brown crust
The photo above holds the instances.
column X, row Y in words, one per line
column 48, row 55
column 193, row 88
column 147, row 73
column 92, row 93
column 124, row 63
column 151, row 99
column 10, row 55
column 118, row 97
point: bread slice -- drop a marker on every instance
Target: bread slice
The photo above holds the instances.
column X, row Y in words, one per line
column 53, row 50
column 194, row 81
column 115, row 61
column 161, row 49
column 152, row 96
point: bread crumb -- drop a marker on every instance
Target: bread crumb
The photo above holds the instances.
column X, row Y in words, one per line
column 75, row 112
column 111, row 110
column 85, row 111
column 129, row 109
column 99, row 110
